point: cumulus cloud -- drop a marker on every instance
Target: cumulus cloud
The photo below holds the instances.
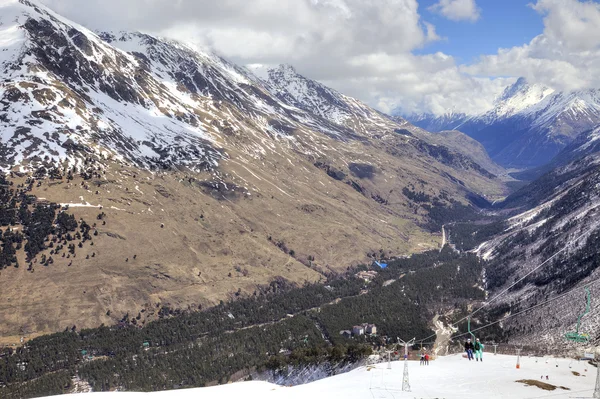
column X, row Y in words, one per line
column 432, row 83
column 232, row 25
column 361, row 47
column 457, row 10
column 570, row 23
column 566, row 56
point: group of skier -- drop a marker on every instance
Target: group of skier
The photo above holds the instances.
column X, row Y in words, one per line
column 474, row 348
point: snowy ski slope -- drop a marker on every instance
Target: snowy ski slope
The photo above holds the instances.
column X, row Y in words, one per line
column 447, row 377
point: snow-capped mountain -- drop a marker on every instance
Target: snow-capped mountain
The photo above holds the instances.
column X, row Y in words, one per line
column 293, row 178
column 518, row 98
column 314, row 97
column 447, row 122
column 528, row 125
column 129, row 96
column 145, row 100
column 306, row 94
column 66, row 94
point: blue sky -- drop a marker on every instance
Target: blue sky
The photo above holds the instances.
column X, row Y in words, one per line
column 502, row 24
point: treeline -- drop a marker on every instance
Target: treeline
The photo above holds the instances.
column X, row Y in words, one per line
column 211, row 359
column 208, row 360
column 349, row 352
column 33, row 226
column 47, row 385
column 441, row 209
column 62, row 350
column 430, row 281
column 467, row 236
column 440, row 214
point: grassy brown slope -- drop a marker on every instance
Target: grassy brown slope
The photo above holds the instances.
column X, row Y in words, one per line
column 218, row 242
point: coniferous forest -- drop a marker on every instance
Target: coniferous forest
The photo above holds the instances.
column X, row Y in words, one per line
column 282, row 325
column 36, row 226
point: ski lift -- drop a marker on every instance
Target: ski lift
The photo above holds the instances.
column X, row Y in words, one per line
column 469, row 329
column 576, row 336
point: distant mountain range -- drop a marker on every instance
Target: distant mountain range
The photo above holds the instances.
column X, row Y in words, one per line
column 528, row 125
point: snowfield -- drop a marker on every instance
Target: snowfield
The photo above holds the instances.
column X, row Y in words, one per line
column 448, row 377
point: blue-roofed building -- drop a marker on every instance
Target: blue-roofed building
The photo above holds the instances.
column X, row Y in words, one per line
column 381, row 265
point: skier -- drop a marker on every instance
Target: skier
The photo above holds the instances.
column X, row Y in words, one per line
column 478, row 350
column 422, row 359
column 469, row 349
column 427, row 359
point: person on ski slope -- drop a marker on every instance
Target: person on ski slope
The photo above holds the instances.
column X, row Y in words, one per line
column 478, row 350
column 469, row 348
column 427, row 359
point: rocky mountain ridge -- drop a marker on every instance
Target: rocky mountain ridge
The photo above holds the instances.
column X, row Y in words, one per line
column 528, row 125
column 209, row 181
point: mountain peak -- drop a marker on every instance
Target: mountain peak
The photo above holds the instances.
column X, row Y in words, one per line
column 286, row 72
column 513, row 89
column 519, row 97
column 288, row 68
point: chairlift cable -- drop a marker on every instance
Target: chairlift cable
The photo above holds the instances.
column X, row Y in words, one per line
column 519, row 280
column 588, row 284
column 530, row 308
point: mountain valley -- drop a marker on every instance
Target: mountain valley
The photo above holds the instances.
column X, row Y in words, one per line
column 217, row 180
column 171, row 219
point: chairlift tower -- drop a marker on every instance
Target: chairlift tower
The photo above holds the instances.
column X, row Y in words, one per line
column 389, row 362
column 577, row 336
column 405, row 381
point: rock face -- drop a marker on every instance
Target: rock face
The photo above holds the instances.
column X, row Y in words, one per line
column 529, row 124
column 551, row 241
column 217, row 179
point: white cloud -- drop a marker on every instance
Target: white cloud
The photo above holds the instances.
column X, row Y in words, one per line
column 432, row 83
column 457, row 10
column 570, row 23
column 566, row 56
column 360, row 47
column 365, row 48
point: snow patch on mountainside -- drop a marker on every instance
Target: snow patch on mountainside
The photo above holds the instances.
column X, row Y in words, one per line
column 308, row 94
